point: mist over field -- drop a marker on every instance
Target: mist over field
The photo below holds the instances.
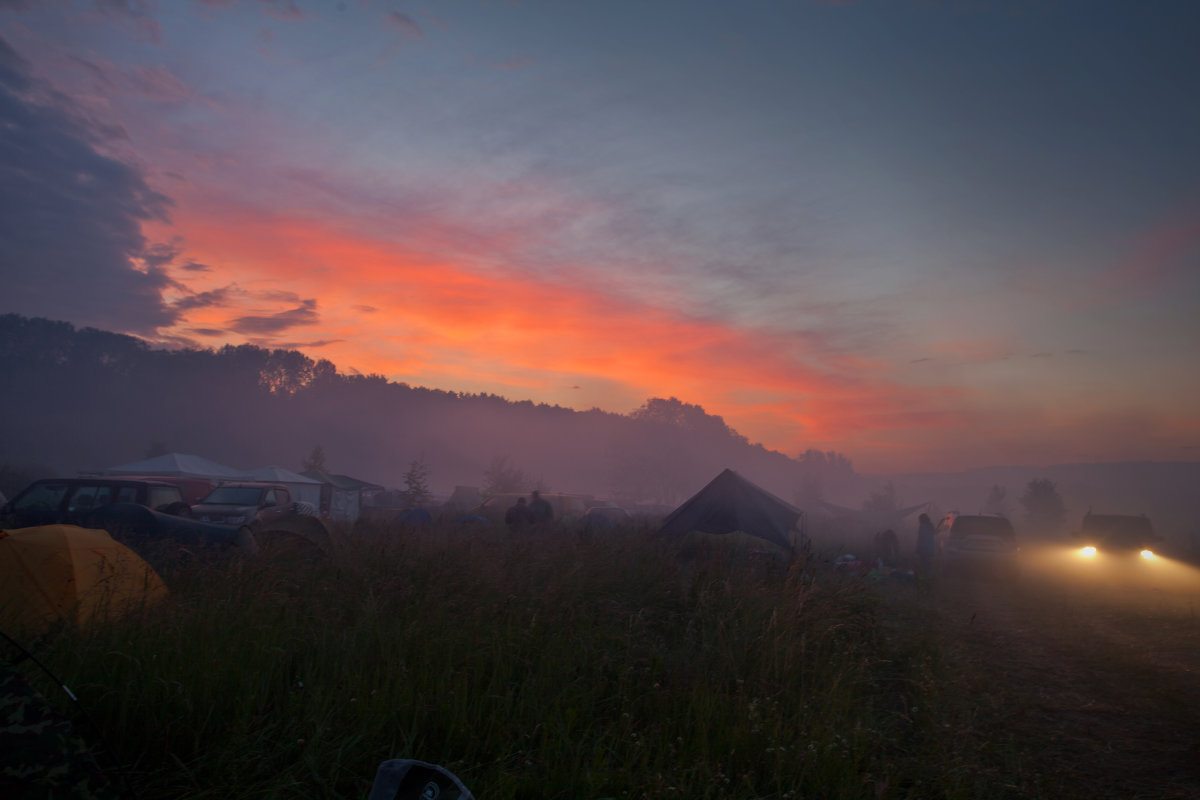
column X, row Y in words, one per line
column 86, row 400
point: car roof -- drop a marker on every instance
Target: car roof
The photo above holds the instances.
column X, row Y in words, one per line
column 103, row 481
column 249, row 485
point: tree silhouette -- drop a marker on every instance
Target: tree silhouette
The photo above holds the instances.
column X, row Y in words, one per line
column 503, row 477
column 416, row 481
column 315, row 459
column 1044, row 510
column 883, row 500
column 996, row 501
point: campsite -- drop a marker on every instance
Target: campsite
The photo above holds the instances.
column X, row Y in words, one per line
column 711, row 653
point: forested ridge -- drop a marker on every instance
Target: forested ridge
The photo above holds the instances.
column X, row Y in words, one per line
column 84, row 399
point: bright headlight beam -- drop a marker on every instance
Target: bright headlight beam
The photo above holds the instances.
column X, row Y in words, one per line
column 1087, row 552
column 1148, row 554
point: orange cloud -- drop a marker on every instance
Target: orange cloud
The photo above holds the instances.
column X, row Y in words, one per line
column 437, row 322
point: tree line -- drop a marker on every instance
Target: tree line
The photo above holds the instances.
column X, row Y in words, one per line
column 85, row 399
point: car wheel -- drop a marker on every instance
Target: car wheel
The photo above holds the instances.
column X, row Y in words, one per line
column 246, row 541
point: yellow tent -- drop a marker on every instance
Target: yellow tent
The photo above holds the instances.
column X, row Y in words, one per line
column 54, row 572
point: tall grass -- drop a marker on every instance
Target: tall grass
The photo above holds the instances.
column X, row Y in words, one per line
column 561, row 666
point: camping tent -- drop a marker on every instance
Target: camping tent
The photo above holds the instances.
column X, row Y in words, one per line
column 179, row 465
column 53, row 572
column 302, row 488
column 731, row 503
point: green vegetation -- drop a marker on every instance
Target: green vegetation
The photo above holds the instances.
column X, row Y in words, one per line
column 571, row 667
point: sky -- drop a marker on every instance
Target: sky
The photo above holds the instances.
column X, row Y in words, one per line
column 930, row 235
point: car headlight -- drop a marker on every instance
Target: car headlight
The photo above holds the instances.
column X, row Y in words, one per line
column 1087, row 552
column 1148, row 555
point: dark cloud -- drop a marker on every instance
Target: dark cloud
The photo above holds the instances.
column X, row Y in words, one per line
column 159, row 255
column 71, row 245
column 365, row 309
column 16, row 5
column 213, row 332
column 304, row 314
column 196, row 266
column 295, row 345
column 216, row 297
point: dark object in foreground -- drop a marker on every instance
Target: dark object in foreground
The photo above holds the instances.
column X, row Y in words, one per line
column 406, row 779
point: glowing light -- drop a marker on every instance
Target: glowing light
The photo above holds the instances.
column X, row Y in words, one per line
column 1087, row 552
column 1148, row 555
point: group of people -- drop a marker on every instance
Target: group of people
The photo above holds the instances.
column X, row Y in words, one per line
column 537, row 513
column 887, row 546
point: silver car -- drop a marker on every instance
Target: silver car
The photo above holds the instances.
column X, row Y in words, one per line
column 979, row 544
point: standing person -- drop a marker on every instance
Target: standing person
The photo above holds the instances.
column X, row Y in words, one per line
column 887, row 548
column 518, row 517
column 542, row 511
column 925, row 545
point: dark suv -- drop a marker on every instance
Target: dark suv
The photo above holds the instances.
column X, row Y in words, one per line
column 74, row 501
column 983, row 543
column 1117, row 534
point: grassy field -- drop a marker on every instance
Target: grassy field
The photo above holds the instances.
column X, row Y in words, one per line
column 560, row 666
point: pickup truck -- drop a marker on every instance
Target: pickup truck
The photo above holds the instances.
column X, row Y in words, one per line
column 251, row 504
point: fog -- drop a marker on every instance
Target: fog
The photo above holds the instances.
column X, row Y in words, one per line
column 85, row 400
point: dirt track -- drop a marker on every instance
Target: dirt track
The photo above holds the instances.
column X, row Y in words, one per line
column 1092, row 669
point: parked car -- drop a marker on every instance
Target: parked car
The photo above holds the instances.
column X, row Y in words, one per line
column 1119, row 535
column 74, row 500
column 266, row 519
column 251, row 504
column 977, row 543
column 193, row 489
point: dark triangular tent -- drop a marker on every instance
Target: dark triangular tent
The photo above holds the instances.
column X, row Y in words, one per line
column 730, row 503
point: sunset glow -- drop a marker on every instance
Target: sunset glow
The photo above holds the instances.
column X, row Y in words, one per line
column 591, row 208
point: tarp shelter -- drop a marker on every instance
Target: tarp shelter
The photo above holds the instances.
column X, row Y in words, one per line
column 301, row 487
column 341, row 496
column 730, row 503
column 871, row 521
column 180, row 465
column 64, row 572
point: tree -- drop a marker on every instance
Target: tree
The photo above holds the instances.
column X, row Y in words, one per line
column 997, row 501
column 416, row 480
column 315, row 460
column 503, row 477
column 1044, row 510
column 883, row 500
column 820, row 472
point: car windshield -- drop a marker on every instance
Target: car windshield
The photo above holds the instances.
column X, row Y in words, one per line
column 1118, row 530
column 234, row 496
column 47, row 495
column 982, row 526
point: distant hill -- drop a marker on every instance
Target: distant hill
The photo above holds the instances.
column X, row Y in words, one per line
column 86, row 399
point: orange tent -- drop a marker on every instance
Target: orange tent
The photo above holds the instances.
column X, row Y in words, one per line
column 54, row 572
